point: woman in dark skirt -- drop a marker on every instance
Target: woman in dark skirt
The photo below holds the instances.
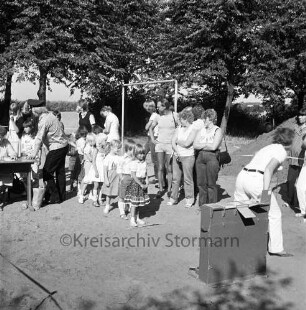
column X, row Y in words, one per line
column 136, row 192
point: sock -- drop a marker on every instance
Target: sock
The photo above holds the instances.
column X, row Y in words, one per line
column 121, row 207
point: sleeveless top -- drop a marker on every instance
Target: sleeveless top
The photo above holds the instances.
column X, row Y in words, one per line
column 208, row 137
column 84, row 121
column 166, row 128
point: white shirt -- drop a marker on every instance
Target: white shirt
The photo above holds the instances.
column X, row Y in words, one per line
column 80, row 145
column 182, row 135
column 124, row 166
column 27, row 144
column 111, row 162
column 140, row 168
column 154, row 118
column 262, row 158
column 198, row 124
column 208, row 136
column 112, row 124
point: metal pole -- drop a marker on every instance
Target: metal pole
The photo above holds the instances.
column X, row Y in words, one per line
column 122, row 119
column 153, row 82
column 175, row 95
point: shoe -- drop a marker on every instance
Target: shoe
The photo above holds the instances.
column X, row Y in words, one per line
column 124, row 217
column 81, row 199
column 91, row 196
column 188, row 205
column 140, row 222
column 133, row 222
column 158, row 195
column 171, row 202
column 300, row 214
column 106, row 209
column 95, row 204
column 24, row 206
column 101, row 202
column 281, row 254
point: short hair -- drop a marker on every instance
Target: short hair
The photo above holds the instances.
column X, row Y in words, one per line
column 211, row 114
column 96, row 129
column 165, row 103
column 197, row 111
column 187, row 115
column 283, row 136
column 3, row 131
column 101, row 137
column 81, row 132
column 57, row 113
column 129, row 145
column 29, row 123
column 106, row 108
column 112, row 144
column 15, row 106
column 83, row 104
column 90, row 137
column 40, row 110
column 139, row 149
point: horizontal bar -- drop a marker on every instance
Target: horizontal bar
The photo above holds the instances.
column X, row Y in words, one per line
column 153, row 82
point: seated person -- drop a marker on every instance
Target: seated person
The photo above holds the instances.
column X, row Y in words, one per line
column 6, row 152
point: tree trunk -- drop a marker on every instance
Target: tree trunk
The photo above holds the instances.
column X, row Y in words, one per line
column 5, row 105
column 42, row 91
column 229, row 100
column 300, row 98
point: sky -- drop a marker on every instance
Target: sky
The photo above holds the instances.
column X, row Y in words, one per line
column 26, row 90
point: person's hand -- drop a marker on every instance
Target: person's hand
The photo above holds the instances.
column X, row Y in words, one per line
column 96, row 174
column 12, row 117
column 31, row 156
column 106, row 183
column 13, row 157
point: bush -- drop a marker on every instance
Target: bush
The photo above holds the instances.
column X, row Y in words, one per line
column 62, row 106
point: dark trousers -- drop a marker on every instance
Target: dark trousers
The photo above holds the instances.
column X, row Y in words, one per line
column 55, row 163
column 207, row 169
column 293, row 174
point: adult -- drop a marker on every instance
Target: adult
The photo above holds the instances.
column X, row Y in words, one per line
column 256, row 177
column 183, row 160
column 85, row 117
column 51, row 134
column 111, row 125
column 208, row 141
column 297, row 151
column 198, row 122
column 150, row 146
column 167, row 124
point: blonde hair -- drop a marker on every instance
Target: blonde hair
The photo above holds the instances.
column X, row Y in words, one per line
column 91, row 137
column 40, row 110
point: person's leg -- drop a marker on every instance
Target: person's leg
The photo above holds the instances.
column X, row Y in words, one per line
column 95, row 194
column 107, row 205
column 154, row 158
column 168, row 164
column 201, row 179
column 177, row 175
column 133, row 222
column 212, row 177
column 61, row 174
column 275, row 227
column 293, row 173
column 188, row 165
column 301, row 191
column 161, row 164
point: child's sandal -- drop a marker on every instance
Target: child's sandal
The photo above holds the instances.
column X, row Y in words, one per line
column 124, row 217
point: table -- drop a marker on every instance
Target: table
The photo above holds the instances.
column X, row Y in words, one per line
column 19, row 165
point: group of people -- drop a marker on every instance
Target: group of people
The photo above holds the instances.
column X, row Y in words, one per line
column 184, row 151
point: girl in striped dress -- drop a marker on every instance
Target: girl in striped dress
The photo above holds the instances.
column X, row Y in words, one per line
column 136, row 192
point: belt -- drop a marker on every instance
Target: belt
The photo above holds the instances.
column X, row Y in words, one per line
column 253, row 170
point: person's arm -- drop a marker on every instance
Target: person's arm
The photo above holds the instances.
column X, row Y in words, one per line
column 197, row 144
column 106, row 180
column 95, row 152
column 174, row 142
column 13, row 124
column 148, row 124
column 92, row 120
column 269, row 171
column 107, row 126
column 189, row 141
column 216, row 144
column 133, row 174
column 154, row 124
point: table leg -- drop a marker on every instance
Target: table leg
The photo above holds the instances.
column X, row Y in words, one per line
column 29, row 190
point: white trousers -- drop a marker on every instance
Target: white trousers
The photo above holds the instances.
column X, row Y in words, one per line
column 301, row 190
column 249, row 185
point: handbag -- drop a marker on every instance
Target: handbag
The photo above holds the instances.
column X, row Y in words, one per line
column 224, row 157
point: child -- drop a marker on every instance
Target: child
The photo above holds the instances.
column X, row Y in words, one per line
column 90, row 153
column 96, row 172
column 27, row 147
column 301, row 187
column 80, row 145
column 74, row 165
column 136, row 193
column 59, row 117
column 6, row 152
column 111, row 177
column 124, row 170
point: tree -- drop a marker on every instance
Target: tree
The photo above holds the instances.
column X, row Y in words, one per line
column 213, row 42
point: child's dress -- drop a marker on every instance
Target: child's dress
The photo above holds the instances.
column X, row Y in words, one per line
column 99, row 163
column 88, row 158
column 124, row 169
column 79, row 165
column 111, row 163
column 135, row 194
